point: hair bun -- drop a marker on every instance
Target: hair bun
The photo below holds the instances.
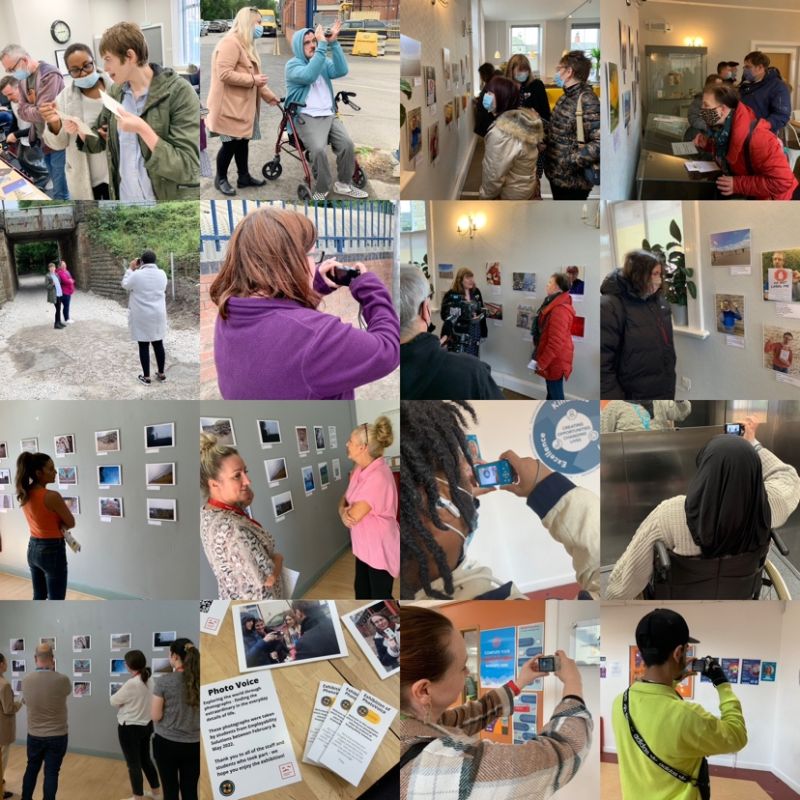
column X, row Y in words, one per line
column 383, row 431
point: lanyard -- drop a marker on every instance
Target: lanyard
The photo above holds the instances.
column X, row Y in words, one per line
column 236, row 510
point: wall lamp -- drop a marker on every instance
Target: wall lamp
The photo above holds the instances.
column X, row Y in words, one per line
column 468, row 224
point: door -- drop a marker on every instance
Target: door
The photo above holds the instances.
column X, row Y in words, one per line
column 785, row 57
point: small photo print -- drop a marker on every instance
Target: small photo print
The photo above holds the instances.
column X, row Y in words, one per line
column 319, row 437
column 730, row 314
column 64, row 444
column 107, row 441
column 5, row 477
column 6, row 502
column 324, row 476
column 337, row 469
column 308, row 480
column 779, row 345
column 159, row 435
column 120, row 641
column 376, row 629
column 81, row 642
column 163, row 639
column 17, row 666
column 110, row 506
column 276, row 470
column 67, row 476
column 114, row 687
column 768, row 670
column 109, row 475
column 494, row 311
column 221, row 427
column 780, row 272
column 270, row 431
column 29, row 445
column 81, row 688
column 731, row 248
column 73, row 503
column 3, row 450
column 81, row 666
column 523, row 282
column 575, row 279
column 16, row 645
column 333, row 439
column 493, row 275
column 118, row 666
column 160, row 474
column 161, row 666
column 51, row 640
column 524, row 317
column 301, row 432
column 282, row 504
column 16, row 685
column 162, row 510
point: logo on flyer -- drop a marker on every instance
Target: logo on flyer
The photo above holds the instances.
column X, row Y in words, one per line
column 287, row 770
column 227, row 788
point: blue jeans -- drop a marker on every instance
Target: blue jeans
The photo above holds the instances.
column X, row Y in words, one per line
column 47, row 560
column 56, row 162
column 50, row 750
column 65, row 298
column 555, row 389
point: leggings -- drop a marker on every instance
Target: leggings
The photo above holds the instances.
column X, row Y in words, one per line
column 372, row 583
column 144, row 356
column 238, row 149
column 179, row 767
column 134, row 740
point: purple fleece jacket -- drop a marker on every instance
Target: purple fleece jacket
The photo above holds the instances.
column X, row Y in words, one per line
column 277, row 349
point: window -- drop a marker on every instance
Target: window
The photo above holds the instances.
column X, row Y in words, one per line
column 586, row 37
column 188, row 51
column 526, row 39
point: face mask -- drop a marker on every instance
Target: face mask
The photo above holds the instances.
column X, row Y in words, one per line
column 258, row 31
column 521, row 77
column 559, row 81
column 448, row 505
column 747, row 74
column 709, row 116
column 21, row 74
column 488, row 101
column 87, row 81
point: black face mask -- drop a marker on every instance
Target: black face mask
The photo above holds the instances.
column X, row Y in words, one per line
column 710, row 116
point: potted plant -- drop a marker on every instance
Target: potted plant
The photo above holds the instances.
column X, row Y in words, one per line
column 405, row 88
column 677, row 277
column 595, row 54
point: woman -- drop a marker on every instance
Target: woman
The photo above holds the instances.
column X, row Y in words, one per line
column 441, row 745
column 439, row 512
column 511, row 147
column 291, row 631
column 532, row 93
column 176, row 718
column 262, row 646
column 483, row 119
column 134, row 699
column 637, row 351
column 740, row 492
column 235, row 95
column 146, row 285
column 87, row 173
column 617, row 416
column 695, row 113
column 67, row 288
column 464, row 335
column 387, row 640
column 241, row 553
column 55, row 294
column 48, row 516
column 745, row 148
column 369, row 509
column 553, row 348
column 268, row 292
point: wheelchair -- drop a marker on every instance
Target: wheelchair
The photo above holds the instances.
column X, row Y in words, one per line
column 745, row 576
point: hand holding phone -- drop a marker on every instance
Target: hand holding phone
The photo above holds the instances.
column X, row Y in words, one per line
column 734, row 428
column 494, row 473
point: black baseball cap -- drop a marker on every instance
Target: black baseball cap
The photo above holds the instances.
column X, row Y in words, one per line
column 659, row 633
column 727, row 64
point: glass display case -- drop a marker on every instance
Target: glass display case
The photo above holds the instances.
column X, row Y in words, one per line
column 673, row 75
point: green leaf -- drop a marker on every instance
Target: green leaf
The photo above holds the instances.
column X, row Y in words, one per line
column 405, row 87
column 645, row 244
column 402, row 115
column 692, row 290
column 672, row 245
column 689, row 271
column 675, row 231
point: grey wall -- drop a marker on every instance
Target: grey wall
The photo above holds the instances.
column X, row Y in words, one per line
column 126, row 557
column 92, row 720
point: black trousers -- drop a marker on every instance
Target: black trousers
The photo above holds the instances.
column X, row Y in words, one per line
column 372, row 583
column 134, row 740
column 144, row 356
column 238, row 149
column 563, row 193
column 179, row 767
column 58, row 311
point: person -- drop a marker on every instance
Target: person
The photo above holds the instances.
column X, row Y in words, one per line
column 764, row 91
column 483, row 119
column 637, row 351
column 436, row 473
column 29, row 157
column 47, row 516
column 729, row 315
column 268, row 304
column 567, row 160
column 553, row 349
column 8, row 723
column 39, row 83
column 464, row 335
column 369, row 509
column 261, row 645
column 134, row 701
column 427, row 371
column 291, row 630
column 441, row 744
column 740, row 492
column 234, row 97
column 176, row 720
column 726, row 71
column 744, row 147
column 240, row 551
column 681, row 733
column 781, row 353
column 45, row 693
column 576, row 283
column 86, row 173
column 67, row 290
column 146, row 284
column 386, row 637
column 55, row 294
column 617, row 416
column 151, row 143
column 532, row 93
column 697, row 123
column 308, row 82
column 317, row 634
column 511, row 145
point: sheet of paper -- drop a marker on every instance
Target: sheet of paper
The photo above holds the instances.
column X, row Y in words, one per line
column 289, row 580
column 702, row 166
column 358, row 738
column 788, row 310
column 338, row 711
column 683, row 149
column 110, row 103
column 326, row 697
column 86, row 131
column 532, row 364
column 734, row 341
column 740, row 270
column 212, row 613
column 247, row 745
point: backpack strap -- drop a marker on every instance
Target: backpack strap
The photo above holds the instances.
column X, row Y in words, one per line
column 579, row 131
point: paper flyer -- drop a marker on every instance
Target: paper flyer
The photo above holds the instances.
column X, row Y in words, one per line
column 247, row 745
column 289, row 580
column 81, row 125
column 530, row 641
column 110, row 103
column 326, row 697
column 212, row 612
column 335, row 717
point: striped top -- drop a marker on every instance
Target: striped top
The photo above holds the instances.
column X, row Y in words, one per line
column 43, row 523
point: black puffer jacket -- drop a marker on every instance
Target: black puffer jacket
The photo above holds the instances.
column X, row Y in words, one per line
column 637, row 351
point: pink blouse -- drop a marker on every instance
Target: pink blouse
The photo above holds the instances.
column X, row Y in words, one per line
column 67, row 281
column 376, row 538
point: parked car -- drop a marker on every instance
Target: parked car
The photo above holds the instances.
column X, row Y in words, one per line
column 350, row 27
column 217, row 26
column 204, row 27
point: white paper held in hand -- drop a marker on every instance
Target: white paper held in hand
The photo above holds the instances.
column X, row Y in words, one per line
column 82, row 126
column 110, row 103
column 289, row 580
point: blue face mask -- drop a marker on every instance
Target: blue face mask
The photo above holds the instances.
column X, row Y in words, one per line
column 747, row 75
column 21, row 74
column 87, row 81
column 521, row 77
column 258, row 31
column 488, row 101
column 559, row 81
column 448, row 505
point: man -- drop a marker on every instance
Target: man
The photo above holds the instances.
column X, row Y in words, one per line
column 764, row 91
column 308, row 81
column 727, row 71
column 576, row 285
column 427, row 371
column 781, row 353
column 8, row 722
column 16, row 128
column 45, row 694
column 680, row 734
column 317, row 634
column 566, row 158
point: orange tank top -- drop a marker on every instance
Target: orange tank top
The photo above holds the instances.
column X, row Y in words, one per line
column 43, row 523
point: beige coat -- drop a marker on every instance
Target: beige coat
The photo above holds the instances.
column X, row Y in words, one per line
column 233, row 95
column 510, row 156
column 8, row 713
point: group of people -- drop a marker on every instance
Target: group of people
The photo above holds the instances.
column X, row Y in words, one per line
column 145, row 150
column 60, row 288
column 523, row 138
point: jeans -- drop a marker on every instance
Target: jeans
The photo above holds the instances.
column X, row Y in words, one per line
column 372, row 583
column 56, row 161
column 65, row 299
column 47, row 559
column 179, row 767
column 555, row 389
column 50, row 750
column 134, row 740
column 566, row 193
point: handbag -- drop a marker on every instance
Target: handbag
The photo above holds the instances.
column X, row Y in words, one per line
column 592, row 172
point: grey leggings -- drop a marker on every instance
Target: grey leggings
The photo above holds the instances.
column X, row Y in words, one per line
column 317, row 133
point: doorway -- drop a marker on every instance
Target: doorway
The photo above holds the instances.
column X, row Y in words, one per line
column 785, row 56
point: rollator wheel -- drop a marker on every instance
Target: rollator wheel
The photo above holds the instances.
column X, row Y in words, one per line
column 303, row 192
column 272, row 170
column 359, row 178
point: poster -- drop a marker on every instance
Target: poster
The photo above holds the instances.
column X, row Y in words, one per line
column 636, row 666
column 751, row 671
column 414, row 126
column 623, row 44
column 449, row 114
column 576, row 283
column 523, row 282
column 779, row 343
column 565, row 435
column 730, row 248
column 524, row 719
column 768, row 670
column 686, row 687
column 493, row 275
column 780, row 271
column 730, row 314
column 626, row 107
column 730, row 666
column 433, row 142
column 530, row 643
column 525, row 317
column 497, row 657
column 612, row 81
column 430, row 86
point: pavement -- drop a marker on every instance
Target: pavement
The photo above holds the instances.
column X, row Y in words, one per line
column 374, row 129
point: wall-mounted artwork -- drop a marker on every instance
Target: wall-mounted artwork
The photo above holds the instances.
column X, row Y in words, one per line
column 449, row 114
column 780, row 272
column 414, row 126
column 5, row 478
column 160, row 474
column 67, row 476
column 73, row 503
column 525, row 317
column 107, row 441
column 301, row 432
column 493, row 274
column 110, row 507
column 308, row 480
column 159, row 435
column 612, row 81
column 29, row 445
column 3, row 450
column 731, row 248
column 578, row 330
column 64, row 444
column 109, row 475
column 576, row 284
column 337, row 470
column 282, row 504
column 430, row 85
column 160, row 509
column 6, row 502
column 120, row 641
column 779, row 344
column 221, row 427
column 269, row 431
column 433, row 142
column 319, row 438
column 494, row 311
column 523, row 282
column 324, row 476
column 276, row 470
column 410, row 57
column 730, row 314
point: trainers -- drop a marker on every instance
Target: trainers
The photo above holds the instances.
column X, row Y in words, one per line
column 319, row 196
column 350, row 190
column 69, row 321
column 142, row 379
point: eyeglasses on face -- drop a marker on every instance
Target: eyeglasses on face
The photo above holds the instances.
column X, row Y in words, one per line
column 86, row 69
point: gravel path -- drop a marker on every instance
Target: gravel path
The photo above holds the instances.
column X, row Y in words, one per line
column 92, row 359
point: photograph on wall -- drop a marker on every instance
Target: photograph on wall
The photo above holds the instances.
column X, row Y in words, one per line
column 109, row 475
column 16, row 686
column 81, row 642
column 575, row 278
column 269, row 431
column 730, row 666
column 612, row 81
column 16, row 645
column 779, row 345
column 107, row 441
column 6, row 502
column 301, row 432
column 276, row 470
column 81, row 688
column 162, row 639
column 730, row 248
column 160, row 474
column 161, row 666
column 110, row 507
column 494, row 311
column 623, row 44
column 445, row 271
column 410, row 57
column 29, row 445
column 3, row 450
column 751, row 671
column 493, row 275
column 67, row 476
column 254, row 622
column 64, row 444
column 768, row 670
column 319, row 437
column 376, row 629
column 73, row 503
column 159, row 435
column 51, row 640
column 308, row 480
column 282, row 504
column 525, row 317
column 161, row 509
column 730, row 314
column 337, row 469
column 780, row 272
column 433, row 142
column 626, row 107
column 414, row 126
column 430, row 85
column 5, row 478
column 120, row 641
column 221, row 427
column 324, row 477
column 118, row 667
column 449, row 113
column 446, row 63
column 18, row 666
column 578, row 330
column 497, row 657
column 81, row 666
column 686, row 687
column 333, row 439
column 114, row 687
column 523, row 282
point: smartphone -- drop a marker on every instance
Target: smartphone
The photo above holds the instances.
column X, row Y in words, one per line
column 735, row 428
column 343, row 275
column 548, row 664
column 495, row 473
column 697, row 665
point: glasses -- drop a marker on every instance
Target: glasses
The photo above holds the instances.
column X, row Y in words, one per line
column 366, row 433
column 16, row 64
column 86, row 69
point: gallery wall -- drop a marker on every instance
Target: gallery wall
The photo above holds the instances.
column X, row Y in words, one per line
column 122, row 557
column 92, row 720
column 786, row 741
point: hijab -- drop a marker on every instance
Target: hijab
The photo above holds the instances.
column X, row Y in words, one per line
column 727, row 508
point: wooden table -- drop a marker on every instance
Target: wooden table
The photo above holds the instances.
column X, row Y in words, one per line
column 297, row 689
column 15, row 186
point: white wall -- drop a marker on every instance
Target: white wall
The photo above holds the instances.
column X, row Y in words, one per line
column 511, row 539
column 718, row 626
column 369, row 411
column 524, row 237
column 787, row 733
column 555, row 38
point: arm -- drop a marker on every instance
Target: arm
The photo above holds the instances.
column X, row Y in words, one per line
column 472, row 717
column 589, row 153
column 55, row 503
column 772, row 174
column 611, row 334
column 8, row 706
column 121, row 696
column 501, row 152
column 675, row 410
column 780, row 108
column 707, row 735
column 356, row 512
column 48, row 88
column 55, row 135
column 157, row 708
column 226, row 61
column 782, row 484
column 97, row 144
column 128, row 279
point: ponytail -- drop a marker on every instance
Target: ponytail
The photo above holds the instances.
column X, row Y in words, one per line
column 28, row 464
column 190, row 658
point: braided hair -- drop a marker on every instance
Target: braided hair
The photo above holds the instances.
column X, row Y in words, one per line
column 432, row 441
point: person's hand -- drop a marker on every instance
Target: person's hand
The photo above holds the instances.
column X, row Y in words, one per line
column 130, row 123
column 272, row 636
column 50, row 113
column 11, row 138
column 700, row 141
column 335, row 28
column 260, row 80
column 569, row 674
column 530, row 472
column 528, row 672
column 750, row 428
column 725, row 185
column 713, row 671
column 270, row 97
column 71, row 128
column 325, row 268
column 319, row 33
column 102, row 132
column 443, row 341
column 360, row 266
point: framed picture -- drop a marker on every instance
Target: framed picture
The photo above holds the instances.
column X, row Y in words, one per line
column 308, row 480
column 29, row 445
column 107, row 441
column 16, row 645
column 269, row 431
column 161, row 666
column 319, row 438
column 337, row 470
column 160, row 474
column 81, row 688
column 282, row 504
column 60, row 62
column 73, row 503
column 110, row 507
column 221, row 427
column 109, row 475
column 81, row 666
column 114, row 687
column 51, row 640
column 5, row 478
column 120, row 641
column 81, row 642
column 324, row 475
column 162, row 510
column 376, row 629
column 276, row 470
column 160, row 435
column 162, row 639
column 301, row 432
column 64, row 444
column 67, row 476
column 117, row 666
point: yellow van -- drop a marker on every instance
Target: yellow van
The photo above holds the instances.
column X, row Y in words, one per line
column 268, row 21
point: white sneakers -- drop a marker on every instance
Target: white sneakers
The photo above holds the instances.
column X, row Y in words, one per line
column 350, row 190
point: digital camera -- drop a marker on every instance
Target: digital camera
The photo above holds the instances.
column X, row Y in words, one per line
column 343, row 276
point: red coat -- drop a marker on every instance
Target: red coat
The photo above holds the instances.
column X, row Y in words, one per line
column 555, row 351
column 773, row 178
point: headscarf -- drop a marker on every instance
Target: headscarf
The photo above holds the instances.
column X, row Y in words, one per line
column 727, row 508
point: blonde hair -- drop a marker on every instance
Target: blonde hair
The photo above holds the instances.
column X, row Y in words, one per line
column 242, row 30
column 377, row 436
column 212, row 455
